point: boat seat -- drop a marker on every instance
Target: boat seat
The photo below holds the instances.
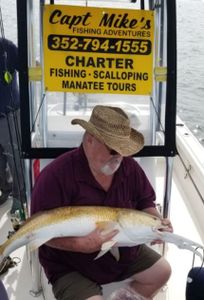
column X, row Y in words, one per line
column 40, row 281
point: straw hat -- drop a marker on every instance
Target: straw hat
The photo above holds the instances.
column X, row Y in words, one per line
column 111, row 126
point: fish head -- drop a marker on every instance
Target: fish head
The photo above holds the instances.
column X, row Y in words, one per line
column 136, row 223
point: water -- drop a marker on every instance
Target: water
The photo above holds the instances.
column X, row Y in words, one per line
column 190, row 36
column 8, row 9
column 190, row 87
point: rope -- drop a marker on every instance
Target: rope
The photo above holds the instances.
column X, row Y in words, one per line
column 37, row 114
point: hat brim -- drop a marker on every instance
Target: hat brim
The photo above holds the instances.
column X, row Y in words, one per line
column 125, row 147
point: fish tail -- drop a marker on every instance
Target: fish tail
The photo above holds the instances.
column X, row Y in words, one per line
column 183, row 243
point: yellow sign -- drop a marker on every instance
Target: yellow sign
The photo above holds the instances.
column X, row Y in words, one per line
column 98, row 50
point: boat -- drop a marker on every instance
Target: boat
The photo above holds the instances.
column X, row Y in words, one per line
column 172, row 157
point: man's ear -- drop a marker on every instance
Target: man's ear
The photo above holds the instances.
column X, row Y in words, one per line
column 89, row 138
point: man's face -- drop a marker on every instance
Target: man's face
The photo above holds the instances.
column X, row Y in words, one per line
column 103, row 159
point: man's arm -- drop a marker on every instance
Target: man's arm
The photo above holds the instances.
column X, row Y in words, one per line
column 87, row 244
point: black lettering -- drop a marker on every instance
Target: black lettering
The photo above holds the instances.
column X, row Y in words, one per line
column 56, row 17
column 128, row 63
column 107, row 20
column 56, row 13
column 65, row 84
column 118, row 86
column 122, row 21
column 69, row 61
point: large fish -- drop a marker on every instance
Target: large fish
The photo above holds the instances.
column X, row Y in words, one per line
column 135, row 228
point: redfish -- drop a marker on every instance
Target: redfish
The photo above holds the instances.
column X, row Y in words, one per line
column 135, row 228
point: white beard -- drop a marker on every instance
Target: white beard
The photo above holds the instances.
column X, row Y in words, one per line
column 111, row 166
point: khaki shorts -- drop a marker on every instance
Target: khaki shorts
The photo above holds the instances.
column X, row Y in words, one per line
column 74, row 286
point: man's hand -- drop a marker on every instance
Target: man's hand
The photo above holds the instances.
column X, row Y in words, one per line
column 165, row 221
column 168, row 226
column 86, row 244
column 93, row 241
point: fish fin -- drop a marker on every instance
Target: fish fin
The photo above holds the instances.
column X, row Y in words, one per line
column 115, row 252
column 108, row 245
column 33, row 245
column 105, row 248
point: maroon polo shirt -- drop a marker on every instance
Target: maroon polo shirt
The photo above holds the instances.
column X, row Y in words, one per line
column 68, row 181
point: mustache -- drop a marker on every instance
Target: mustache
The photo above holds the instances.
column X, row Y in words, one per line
column 114, row 160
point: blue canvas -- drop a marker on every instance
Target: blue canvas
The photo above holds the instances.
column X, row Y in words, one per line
column 3, row 293
column 195, row 284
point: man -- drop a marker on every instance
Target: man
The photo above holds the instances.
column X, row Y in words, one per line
column 9, row 127
column 100, row 172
